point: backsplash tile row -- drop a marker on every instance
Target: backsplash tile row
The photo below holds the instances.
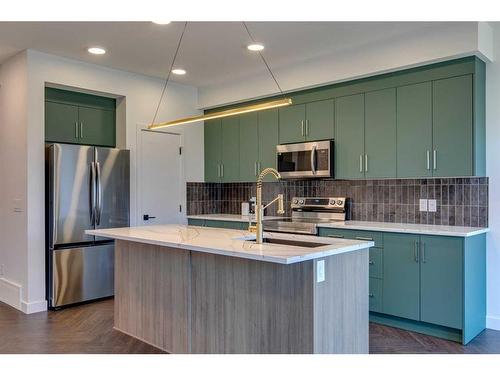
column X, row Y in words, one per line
column 460, row 201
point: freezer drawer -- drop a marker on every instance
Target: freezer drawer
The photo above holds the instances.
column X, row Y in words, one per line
column 82, row 274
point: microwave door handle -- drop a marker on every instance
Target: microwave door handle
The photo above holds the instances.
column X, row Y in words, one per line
column 313, row 159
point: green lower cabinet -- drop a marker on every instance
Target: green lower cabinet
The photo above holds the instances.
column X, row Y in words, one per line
column 375, row 295
column 240, row 225
column 401, row 276
column 441, row 280
column 196, row 222
column 375, row 262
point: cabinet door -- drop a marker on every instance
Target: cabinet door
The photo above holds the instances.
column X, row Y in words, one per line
column 380, row 134
column 268, row 139
column 452, row 126
column 292, row 124
column 249, row 146
column 230, row 149
column 401, row 288
column 441, row 280
column 349, row 136
column 97, row 126
column 61, row 123
column 213, row 142
column 320, row 120
column 414, row 135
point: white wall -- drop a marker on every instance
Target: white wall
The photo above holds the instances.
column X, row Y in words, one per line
column 138, row 96
column 493, row 171
column 13, row 172
column 442, row 41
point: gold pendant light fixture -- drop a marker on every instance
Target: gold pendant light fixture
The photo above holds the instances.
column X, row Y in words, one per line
column 225, row 113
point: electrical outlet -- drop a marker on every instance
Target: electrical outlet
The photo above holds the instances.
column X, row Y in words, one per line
column 423, row 204
column 320, row 271
column 432, row 205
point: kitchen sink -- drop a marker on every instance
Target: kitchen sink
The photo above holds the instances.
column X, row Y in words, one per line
column 282, row 241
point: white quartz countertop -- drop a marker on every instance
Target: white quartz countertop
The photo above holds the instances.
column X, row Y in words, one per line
column 436, row 230
column 230, row 242
column 230, row 217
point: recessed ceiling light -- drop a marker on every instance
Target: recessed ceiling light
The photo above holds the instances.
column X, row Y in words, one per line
column 179, row 72
column 255, row 47
column 96, row 50
column 161, row 22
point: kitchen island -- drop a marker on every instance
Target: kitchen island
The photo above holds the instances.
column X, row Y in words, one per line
column 188, row 289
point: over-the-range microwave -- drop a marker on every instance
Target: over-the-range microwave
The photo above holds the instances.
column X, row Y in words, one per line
column 305, row 160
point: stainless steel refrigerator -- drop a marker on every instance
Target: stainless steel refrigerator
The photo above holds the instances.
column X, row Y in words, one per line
column 87, row 187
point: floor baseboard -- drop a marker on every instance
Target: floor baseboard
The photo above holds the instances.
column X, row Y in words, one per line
column 493, row 322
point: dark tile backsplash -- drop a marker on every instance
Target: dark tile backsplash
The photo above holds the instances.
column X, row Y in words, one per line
column 460, row 201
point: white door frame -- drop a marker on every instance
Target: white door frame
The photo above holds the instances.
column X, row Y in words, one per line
column 138, row 162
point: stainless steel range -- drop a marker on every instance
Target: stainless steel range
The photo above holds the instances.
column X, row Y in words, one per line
column 307, row 213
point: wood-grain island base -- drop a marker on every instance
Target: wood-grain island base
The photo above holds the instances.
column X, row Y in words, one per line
column 191, row 302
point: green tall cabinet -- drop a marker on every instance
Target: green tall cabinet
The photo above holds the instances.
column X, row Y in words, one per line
column 230, row 161
column 249, row 146
column 213, row 155
column 268, row 139
column 73, row 117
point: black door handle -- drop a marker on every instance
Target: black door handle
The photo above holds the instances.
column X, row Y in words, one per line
column 147, row 217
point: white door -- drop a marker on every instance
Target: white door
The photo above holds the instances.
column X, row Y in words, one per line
column 159, row 178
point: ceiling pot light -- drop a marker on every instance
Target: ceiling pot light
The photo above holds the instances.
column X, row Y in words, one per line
column 161, row 22
column 255, row 47
column 179, row 72
column 96, row 50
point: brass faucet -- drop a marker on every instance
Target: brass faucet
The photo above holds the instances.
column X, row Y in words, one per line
column 259, row 209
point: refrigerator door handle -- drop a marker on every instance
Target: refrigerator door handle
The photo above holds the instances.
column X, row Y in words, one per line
column 92, row 202
column 98, row 204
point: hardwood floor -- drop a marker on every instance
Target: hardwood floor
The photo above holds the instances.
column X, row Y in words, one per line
column 89, row 329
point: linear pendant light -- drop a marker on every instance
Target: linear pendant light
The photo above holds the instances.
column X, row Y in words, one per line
column 220, row 114
column 226, row 113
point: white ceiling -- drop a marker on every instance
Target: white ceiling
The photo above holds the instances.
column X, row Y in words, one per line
column 213, row 53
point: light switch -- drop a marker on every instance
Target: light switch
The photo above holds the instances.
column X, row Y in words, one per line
column 320, row 271
column 423, row 204
column 432, row 205
column 17, row 206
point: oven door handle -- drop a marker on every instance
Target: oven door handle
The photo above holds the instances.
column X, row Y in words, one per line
column 313, row 159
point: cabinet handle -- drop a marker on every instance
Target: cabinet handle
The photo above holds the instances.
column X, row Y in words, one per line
column 336, row 235
column 218, row 170
column 76, row 129
column 222, row 170
column 302, row 127
column 260, row 167
column 370, row 295
column 434, row 160
column 422, row 246
column 366, row 162
column 81, row 129
column 307, row 127
column 361, row 163
column 371, row 263
column 415, row 251
column 428, row 160
column 364, row 238
column 255, row 169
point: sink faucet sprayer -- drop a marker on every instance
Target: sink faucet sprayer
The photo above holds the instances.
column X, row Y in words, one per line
column 259, row 209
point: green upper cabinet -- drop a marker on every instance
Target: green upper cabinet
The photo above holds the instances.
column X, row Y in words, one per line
column 380, row 134
column 268, row 139
column 61, row 123
column 230, row 161
column 213, row 155
column 441, row 281
column 97, row 126
column 73, row 117
column 292, row 123
column 319, row 120
column 414, row 130
column 401, row 289
column 349, row 140
column 249, row 146
column 452, row 126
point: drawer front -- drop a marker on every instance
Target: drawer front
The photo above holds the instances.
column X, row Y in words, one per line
column 234, row 225
column 215, row 223
column 375, row 295
column 196, row 222
column 377, row 237
column 375, row 262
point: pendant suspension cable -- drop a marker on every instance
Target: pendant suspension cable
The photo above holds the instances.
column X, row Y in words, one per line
column 169, row 73
column 263, row 59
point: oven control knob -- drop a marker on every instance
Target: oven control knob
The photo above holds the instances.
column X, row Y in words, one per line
column 333, row 202
column 295, row 201
column 340, row 202
column 301, row 201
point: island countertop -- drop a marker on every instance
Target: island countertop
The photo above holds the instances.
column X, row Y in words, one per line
column 234, row 243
